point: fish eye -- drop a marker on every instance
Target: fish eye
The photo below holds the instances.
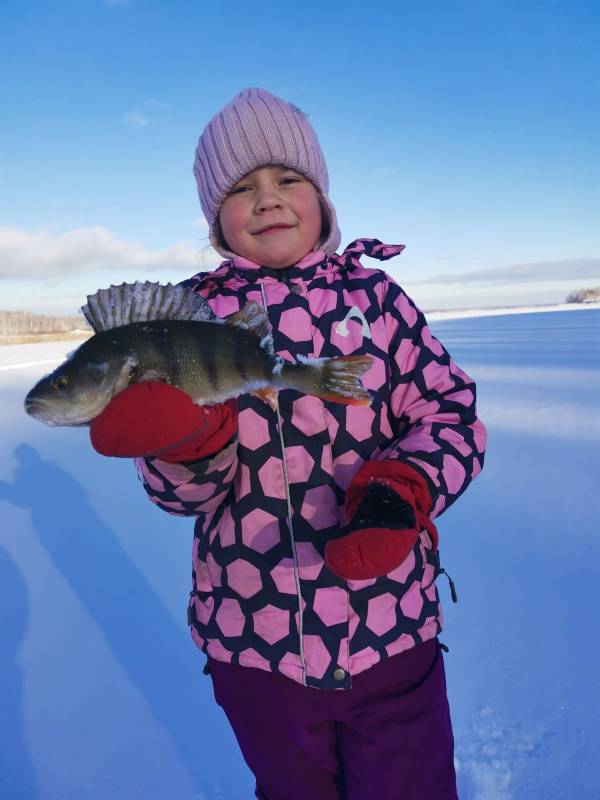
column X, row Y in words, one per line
column 60, row 383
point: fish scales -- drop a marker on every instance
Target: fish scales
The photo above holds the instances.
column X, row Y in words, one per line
column 187, row 346
column 201, row 358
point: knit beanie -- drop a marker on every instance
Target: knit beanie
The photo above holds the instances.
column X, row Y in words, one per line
column 254, row 130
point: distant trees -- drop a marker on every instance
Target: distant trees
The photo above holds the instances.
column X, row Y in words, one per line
column 584, row 296
column 21, row 323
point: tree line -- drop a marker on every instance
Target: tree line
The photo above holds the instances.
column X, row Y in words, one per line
column 19, row 323
column 584, row 296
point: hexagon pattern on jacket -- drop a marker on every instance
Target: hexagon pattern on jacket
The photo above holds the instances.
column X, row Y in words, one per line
column 267, row 504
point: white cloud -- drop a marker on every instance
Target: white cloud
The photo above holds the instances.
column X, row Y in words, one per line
column 145, row 113
column 152, row 102
column 136, row 120
column 560, row 270
column 44, row 254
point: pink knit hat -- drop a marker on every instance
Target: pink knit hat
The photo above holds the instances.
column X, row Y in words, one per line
column 254, row 130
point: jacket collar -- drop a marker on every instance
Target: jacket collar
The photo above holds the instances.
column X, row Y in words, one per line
column 313, row 264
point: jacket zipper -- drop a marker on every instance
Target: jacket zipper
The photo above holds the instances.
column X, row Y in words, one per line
column 283, row 274
column 293, row 540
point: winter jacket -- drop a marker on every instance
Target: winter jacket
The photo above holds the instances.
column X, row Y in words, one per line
column 269, row 501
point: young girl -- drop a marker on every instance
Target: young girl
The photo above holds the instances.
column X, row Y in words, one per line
column 315, row 554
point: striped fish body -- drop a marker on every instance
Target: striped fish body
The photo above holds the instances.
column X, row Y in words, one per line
column 147, row 332
column 208, row 361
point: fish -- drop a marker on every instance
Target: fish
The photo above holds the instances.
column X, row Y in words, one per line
column 155, row 332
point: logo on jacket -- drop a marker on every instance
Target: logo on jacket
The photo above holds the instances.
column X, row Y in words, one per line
column 354, row 313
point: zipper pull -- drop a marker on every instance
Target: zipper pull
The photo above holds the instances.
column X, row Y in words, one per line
column 286, row 278
column 453, row 594
column 285, row 275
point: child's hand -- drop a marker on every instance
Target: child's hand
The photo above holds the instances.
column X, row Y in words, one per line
column 386, row 514
column 155, row 419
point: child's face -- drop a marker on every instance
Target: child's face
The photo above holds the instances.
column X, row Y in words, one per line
column 272, row 216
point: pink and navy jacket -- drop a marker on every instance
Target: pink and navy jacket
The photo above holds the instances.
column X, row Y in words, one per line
column 267, row 504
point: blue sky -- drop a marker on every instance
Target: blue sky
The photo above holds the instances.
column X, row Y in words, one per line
column 466, row 130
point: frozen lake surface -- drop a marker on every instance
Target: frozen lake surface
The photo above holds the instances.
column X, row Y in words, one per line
column 103, row 692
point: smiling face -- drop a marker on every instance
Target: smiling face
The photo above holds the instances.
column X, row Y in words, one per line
column 272, row 216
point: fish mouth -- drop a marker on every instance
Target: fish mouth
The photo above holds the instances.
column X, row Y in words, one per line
column 42, row 411
column 32, row 405
column 46, row 411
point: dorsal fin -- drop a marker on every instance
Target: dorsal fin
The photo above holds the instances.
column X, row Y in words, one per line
column 253, row 318
column 143, row 302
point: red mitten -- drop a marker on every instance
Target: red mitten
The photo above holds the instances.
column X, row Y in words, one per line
column 387, row 504
column 155, row 419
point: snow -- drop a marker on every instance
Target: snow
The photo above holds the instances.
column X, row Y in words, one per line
column 103, row 693
column 311, row 362
column 434, row 316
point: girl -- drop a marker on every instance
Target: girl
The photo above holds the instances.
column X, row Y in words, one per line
column 315, row 553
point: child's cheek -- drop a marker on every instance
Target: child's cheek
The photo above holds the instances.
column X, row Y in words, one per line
column 232, row 219
column 310, row 212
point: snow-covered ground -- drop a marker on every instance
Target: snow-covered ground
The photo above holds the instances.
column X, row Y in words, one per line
column 462, row 313
column 102, row 690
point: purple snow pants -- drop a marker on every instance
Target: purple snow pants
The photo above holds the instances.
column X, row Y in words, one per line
column 389, row 737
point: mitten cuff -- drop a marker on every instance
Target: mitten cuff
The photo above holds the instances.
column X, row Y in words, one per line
column 209, row 438
column 409, row 484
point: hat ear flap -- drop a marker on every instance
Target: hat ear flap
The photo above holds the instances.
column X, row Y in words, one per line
column 325, row 223
column 332, row 236
column 216, row 236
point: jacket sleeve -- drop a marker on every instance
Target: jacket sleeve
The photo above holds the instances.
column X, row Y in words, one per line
column 432, row 405
column 188, row 490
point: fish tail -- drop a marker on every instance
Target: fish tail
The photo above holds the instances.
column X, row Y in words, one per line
column 334, row 379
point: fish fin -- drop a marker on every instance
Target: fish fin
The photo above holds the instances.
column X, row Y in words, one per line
column 253, row 318
column 119, row 373
column 144, row 302
column 335, row 379
column 268, row 395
